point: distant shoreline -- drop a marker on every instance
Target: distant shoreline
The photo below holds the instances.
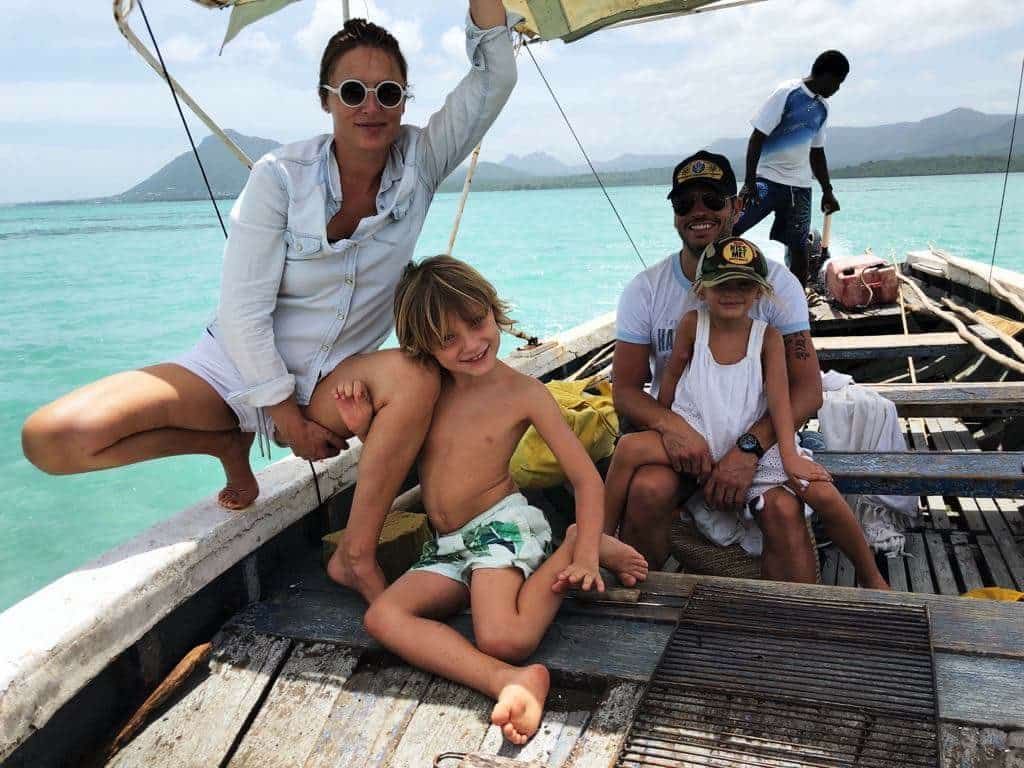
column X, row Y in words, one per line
column 880, row 169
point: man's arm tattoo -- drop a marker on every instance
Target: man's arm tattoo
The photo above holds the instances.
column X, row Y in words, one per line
column 798, row 344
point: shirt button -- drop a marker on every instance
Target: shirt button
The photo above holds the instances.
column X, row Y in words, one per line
column 299, row 247
column 348, row 280
column 341, row 315
column 324, row 347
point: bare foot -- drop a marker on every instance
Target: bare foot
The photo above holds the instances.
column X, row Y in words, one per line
column 241, row 489
column 368, row 581
column 354, row 406
column 521, row 703
column 625, row 562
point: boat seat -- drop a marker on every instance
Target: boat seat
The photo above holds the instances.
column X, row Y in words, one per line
column 994, row 399
column 919, row 473
column 898, row 345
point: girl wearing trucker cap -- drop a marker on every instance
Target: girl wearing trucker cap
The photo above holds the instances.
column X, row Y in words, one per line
column 725, row 370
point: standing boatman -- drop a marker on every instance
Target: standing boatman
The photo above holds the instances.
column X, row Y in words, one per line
column 786, row 147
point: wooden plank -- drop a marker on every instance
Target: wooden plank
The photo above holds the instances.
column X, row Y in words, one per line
column 993, row 559
column 970, row 512
column 1015, row 522
column 980, row 691
column 997, row 399
column 939, row 436
column 292, row 718
column 983, row 627
column 201, row 727
column 919, row 345
column 936, row 506
column 964, row 556
column 897, row 574
column 450, row 718
column 956, row 429
column 941, row 567
column 602, row 740
column 917, row 564
column 918, row 434
column 586, row 645
column 964, row 746
column 1007, row 546
column 369, row 717
column 915, row 474
column 845, row 575
column 830, row 565
column 478, row 760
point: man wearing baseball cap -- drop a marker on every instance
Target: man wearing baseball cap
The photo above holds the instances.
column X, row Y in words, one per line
column 704, row 202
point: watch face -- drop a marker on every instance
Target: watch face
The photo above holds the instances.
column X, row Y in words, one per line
column 748, row 442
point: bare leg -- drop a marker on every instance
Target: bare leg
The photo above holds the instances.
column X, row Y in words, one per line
column 403, row 394
column 654, row 494
column 404, row 620
column 788, row 554
column 632, row 452
column 163, row 410
column 845, row 531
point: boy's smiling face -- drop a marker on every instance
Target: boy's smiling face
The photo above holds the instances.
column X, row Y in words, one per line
column 470, row 346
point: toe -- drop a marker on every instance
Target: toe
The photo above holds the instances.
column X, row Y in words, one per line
column 501, row 715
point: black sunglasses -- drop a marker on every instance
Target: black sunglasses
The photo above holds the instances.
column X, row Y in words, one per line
column 713, row 201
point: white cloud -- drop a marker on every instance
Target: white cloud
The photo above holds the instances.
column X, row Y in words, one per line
column 453, row 42
column 184, row 49
column 326, row 20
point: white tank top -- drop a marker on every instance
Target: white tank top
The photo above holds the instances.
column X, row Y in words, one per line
column 722, row 401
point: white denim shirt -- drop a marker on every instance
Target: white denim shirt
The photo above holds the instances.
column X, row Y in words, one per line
column 292, row 305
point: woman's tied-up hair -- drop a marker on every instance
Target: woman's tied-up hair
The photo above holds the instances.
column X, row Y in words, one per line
column 355, row 34
column 429, row 291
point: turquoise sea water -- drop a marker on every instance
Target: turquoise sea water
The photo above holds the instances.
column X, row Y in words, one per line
column 93, row 289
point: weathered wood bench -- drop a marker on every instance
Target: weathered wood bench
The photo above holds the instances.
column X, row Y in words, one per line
column 897, row 345
column 920, row 474
column 979, row 400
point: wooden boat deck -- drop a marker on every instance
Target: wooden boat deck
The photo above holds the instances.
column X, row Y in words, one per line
column 960, row 542
column 294, row 681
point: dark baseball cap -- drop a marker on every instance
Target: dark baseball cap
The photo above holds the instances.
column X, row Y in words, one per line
column 732, row 258
column 704, row 168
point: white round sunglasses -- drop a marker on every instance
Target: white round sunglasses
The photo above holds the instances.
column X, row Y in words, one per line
column 352, row 93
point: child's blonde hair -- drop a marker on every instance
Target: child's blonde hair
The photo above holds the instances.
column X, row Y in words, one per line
column 429, row 291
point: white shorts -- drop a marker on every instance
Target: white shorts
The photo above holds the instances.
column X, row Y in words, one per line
column 209, row 361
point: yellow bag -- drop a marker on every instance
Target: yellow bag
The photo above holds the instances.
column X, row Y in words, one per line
column 996, row 593
column 593, row 419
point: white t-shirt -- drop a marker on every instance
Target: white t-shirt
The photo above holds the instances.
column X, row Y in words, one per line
column 653, row 302
column 794, row 120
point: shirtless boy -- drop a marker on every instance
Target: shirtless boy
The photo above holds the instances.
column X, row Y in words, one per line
column 491, row 547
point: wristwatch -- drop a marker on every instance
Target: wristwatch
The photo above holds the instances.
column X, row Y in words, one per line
column 748, row 443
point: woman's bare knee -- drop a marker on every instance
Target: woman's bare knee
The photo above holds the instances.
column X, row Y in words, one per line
column 56, row 442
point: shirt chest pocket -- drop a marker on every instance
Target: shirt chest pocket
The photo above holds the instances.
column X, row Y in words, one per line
column 302, row 247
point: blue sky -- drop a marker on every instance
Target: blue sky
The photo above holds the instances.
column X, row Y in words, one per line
column 81, row 115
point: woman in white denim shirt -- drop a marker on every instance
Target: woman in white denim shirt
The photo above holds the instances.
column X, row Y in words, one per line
column 319, row 238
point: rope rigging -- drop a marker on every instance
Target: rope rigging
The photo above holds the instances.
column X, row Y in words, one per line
column 1006, row 174
column 585, row 155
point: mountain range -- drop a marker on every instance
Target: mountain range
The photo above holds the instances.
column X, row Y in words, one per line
column 962, row 140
